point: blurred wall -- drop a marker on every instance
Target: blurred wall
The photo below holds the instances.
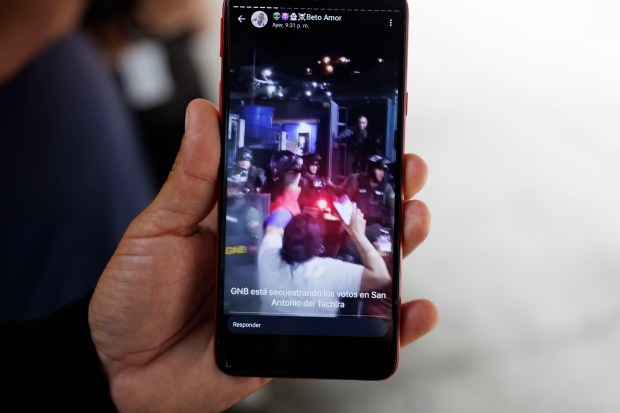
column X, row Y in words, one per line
column 515, row 106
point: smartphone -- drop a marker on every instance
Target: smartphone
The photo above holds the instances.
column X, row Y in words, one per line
column 313, row 103
column 344, row 208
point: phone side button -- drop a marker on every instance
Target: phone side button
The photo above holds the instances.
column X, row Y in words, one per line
column 221, row 37
column 406, row 103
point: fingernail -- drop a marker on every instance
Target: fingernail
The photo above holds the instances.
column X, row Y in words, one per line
column 186, row 118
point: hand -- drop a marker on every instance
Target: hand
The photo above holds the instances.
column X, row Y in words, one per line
column 151, row 315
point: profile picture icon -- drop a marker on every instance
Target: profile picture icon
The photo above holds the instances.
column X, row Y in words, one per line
column 259, row 19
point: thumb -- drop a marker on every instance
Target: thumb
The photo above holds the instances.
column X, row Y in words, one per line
column 189, row 193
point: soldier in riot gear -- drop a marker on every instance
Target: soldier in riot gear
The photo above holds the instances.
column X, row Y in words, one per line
column 313, row 186
column 373, row 194
column 375, row 197
column 359, row 145
column 251, row 177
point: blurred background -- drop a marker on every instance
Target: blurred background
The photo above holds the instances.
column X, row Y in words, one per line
column 514, row 105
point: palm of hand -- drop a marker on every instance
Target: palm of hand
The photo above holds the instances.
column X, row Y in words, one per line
column 157, row 295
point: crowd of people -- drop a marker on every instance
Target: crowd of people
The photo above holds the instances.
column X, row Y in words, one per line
column 294, row 184
column 294, row 235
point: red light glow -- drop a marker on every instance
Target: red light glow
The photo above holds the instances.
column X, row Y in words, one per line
column 321, row 203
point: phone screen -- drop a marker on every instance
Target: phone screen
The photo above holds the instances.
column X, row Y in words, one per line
column 312, row 111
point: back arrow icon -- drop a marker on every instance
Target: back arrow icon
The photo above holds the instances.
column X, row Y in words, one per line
column 241, row 19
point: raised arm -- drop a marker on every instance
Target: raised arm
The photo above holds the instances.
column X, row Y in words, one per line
column 375, row 273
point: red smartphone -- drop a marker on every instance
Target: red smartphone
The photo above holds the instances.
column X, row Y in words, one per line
column 313, row 100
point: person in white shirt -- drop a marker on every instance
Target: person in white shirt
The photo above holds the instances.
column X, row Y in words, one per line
column 296, row 281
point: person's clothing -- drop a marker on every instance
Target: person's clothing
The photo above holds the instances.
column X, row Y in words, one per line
column 288, row 200
column 352, row 136
column 312, row 188
column 318, row 280
column 52, row 364
column 73, row 178
column 278, row 219
column 252, row 179
column 360, row 145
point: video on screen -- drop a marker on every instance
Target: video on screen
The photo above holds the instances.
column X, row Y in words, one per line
column 312, row 137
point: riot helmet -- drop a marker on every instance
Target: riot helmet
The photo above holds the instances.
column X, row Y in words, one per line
column 377, row 162
column 312, row 159
column 377, row 167
column 283, row 162
column 244, row 154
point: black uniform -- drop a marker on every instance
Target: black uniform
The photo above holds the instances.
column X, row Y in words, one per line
column 252, row 179
column 360, row 145
column 312, row 188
